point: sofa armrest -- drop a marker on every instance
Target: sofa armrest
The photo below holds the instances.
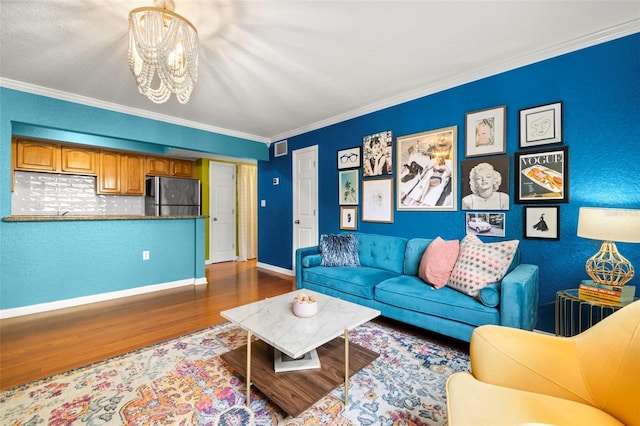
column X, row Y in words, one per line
column 519, row 297
column 300, row 254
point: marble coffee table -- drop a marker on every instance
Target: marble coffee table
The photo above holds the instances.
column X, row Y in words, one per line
column 273, row 322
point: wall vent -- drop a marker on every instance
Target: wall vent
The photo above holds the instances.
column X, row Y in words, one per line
column 280, row 148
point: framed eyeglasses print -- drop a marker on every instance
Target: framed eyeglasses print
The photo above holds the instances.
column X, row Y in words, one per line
column 349, row 158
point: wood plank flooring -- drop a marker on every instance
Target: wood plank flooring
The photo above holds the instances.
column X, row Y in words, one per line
column 37, row 346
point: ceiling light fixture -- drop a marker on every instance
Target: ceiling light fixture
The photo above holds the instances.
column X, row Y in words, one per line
column 163, row 51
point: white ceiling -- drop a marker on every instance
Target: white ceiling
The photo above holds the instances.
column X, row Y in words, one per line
column 273, row 69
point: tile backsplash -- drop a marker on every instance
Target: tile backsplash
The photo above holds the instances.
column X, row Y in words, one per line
column 56, row 194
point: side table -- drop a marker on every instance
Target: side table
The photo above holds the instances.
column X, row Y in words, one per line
column 575, row 315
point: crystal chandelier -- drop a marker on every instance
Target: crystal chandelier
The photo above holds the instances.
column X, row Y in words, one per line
column 163, row 51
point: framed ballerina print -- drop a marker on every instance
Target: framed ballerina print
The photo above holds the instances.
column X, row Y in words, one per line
column 541, row 222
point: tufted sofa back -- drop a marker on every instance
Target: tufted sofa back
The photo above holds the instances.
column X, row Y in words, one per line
column 381, row 251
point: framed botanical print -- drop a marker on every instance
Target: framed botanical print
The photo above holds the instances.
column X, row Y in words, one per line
column 377, row 200
column 542, row 176
column 541, row 222
column 541, row 125
column 486, row 132
column 349, row 218
column 377, row 154
column 348, row 187
column 349, row 158
column 426, row 172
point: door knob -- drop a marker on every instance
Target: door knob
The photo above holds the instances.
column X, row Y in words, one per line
column 215, row 219
column 297, row 222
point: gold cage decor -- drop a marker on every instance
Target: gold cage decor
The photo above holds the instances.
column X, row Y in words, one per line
column 608, row 266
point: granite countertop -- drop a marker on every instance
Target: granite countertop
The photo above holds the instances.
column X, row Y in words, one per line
column 66, row 218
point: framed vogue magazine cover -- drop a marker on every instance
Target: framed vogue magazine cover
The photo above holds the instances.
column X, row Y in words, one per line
column 542, row 176
column 486, row 132
column 426, row 172
column 377, row 200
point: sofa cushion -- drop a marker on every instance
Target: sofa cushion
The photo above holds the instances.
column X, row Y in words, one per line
column 413, row 254
column 339, row 250
column 490, row 295
column 381, row 251
column 411, row 293
column 359, row 281
column 312, row 260
column 438, row 261
column 480, row 264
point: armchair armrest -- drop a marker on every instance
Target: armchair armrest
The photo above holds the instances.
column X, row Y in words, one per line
column 300, row 254
column 519, row 297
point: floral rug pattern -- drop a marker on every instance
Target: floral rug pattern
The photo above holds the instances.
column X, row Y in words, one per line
column 185, row 382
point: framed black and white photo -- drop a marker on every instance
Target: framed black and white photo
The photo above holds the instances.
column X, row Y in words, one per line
column 377, row 200
column 541, row 222
column 485, row 183
column 377, row 150
column 427, row 170
column 541, row 125
column 349, row 218
column 486, row 224
column 542, row 176
column 349, row 158
column 486, row 132
column 348, row 187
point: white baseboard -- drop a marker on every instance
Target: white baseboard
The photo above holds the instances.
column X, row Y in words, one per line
column 274, row 268
column 102, row 297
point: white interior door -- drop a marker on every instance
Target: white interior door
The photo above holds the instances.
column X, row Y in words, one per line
column 222, row 210
column 305, row 198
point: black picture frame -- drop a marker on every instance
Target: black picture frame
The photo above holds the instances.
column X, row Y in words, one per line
column 349, row 158
column 541, row 125
column 499, row 199
column 542, row 176
column 541, row 222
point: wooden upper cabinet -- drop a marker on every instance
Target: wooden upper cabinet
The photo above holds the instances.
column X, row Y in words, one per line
column 78, row 160
column 158, row 166
column 132, row 176
column 108, row 173
column 37, row 156
column 182, row 168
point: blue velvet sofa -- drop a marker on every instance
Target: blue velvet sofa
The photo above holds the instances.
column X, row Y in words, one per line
column 387, row 280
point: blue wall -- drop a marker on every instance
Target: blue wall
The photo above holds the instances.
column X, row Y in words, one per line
column 600, row 88
column 44, row 262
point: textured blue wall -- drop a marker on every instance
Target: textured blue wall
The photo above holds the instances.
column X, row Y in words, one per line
column 600, row 88
column 52, row 261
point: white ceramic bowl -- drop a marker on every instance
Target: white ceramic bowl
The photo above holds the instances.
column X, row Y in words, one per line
column 305, row 309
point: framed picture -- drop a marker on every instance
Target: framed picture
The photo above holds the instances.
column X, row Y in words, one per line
column 542, row 176
column 541, row 222
column 349, row 158
column 377, row 151
column 485, row 184
column 349, row 217
column 485, row 132
column 541, row 125
column 489, row 224
column 377, row 200
column 427, row 170
column 348, row 187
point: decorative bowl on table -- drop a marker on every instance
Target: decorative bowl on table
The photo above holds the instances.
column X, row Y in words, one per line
column 305, row 306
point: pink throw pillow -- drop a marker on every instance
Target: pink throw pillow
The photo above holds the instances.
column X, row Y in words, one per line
column 438, row 261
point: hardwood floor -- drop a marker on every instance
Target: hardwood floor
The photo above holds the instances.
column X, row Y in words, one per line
column 37, row 346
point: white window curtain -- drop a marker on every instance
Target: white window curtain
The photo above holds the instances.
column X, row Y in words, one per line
column 247, row 212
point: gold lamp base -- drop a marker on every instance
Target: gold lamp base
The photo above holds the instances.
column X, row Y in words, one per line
column 609, row 267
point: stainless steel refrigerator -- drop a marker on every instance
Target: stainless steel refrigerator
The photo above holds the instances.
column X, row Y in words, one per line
column 166, row 196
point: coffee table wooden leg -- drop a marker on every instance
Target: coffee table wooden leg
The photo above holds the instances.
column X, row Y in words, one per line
column 346, row 367
column 248, row 368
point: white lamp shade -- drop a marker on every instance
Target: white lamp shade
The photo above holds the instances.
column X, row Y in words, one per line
column 618, row 225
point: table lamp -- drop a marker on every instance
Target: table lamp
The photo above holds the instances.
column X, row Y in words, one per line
column 608, row 266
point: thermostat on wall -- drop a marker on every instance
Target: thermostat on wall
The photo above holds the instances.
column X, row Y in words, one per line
column 276, row 181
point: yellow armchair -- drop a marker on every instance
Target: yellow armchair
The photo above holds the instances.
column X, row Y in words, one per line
column 520, row 376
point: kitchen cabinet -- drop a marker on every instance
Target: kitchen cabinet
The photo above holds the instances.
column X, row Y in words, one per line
column 78, row 160
column 182, row 168
column 164, row 166
column 38, row 156
column 132, row 174
column 108, row 181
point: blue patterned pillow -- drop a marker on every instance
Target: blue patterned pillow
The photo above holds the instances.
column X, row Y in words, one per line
column 339, row 250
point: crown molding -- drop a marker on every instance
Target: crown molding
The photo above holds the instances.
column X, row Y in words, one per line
column 549, row 52
column 97, row 103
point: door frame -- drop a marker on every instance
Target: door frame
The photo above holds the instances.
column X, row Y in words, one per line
column 294, row 242
column 212, row 165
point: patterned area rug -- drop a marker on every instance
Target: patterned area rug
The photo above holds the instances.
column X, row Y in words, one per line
column 184, row 382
